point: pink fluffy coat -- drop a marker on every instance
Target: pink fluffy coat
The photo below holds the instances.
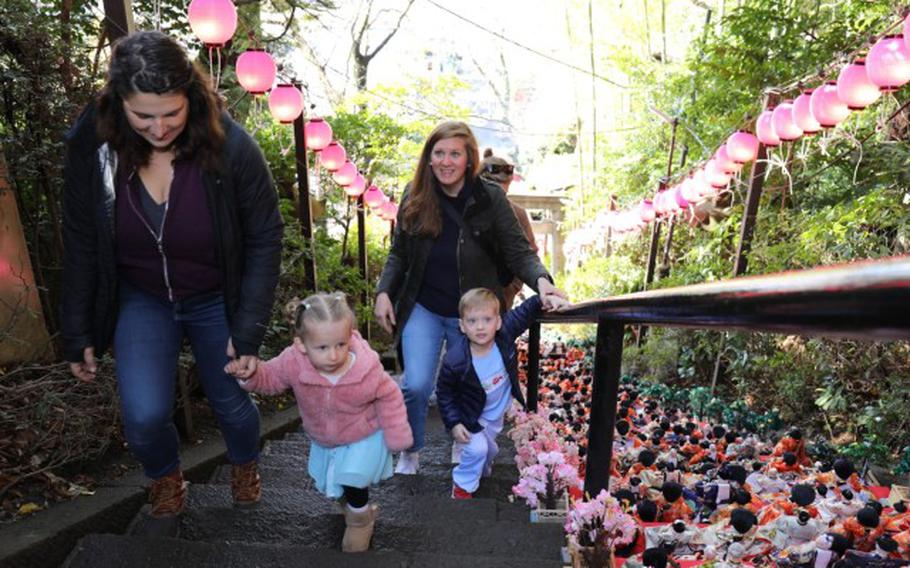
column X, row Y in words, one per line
column 363, row 401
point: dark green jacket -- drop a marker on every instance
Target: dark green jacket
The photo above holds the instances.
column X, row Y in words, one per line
column 490, row 218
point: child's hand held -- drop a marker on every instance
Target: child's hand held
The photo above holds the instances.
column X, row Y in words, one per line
column 461, row 434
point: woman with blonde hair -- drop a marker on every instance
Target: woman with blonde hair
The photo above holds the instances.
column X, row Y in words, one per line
column 455, row 231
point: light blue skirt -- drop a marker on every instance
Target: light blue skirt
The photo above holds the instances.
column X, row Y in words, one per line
column 358, row 464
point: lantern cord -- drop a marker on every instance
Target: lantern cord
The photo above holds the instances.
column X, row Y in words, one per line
column 531, row 49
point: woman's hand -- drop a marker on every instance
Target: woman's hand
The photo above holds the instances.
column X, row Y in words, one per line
column 86, row 370
column 384, row 312
column 241, row 367
column 550, row 295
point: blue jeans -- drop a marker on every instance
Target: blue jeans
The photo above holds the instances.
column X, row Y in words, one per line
column 421, row 343
column 147, row 343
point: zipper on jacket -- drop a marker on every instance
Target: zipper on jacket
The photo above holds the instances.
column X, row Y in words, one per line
column 159, row 237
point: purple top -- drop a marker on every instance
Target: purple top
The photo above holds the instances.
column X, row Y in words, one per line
column 182, row 263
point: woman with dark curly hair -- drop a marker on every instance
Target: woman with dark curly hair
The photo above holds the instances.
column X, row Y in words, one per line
column 172, row 231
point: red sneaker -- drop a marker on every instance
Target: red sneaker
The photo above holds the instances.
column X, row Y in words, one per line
column 459, row 493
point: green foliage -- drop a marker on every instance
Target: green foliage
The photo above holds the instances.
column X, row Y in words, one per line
column 903, row 467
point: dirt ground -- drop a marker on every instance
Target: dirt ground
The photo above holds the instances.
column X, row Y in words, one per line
column 78, row 479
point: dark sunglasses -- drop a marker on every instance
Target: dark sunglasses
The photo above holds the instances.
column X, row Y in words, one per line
column 499, row 169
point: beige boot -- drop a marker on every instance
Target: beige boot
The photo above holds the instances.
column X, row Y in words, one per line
column 358, row 530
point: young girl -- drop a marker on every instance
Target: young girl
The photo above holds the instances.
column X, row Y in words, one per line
column 351, row 409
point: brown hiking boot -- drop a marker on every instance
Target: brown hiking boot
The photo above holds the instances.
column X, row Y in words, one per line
column 246, row 484
column 168, row 495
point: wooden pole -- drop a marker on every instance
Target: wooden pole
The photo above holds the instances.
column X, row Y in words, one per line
column 756, row 184
column 304, row 210
column 118, row 18
column 747, row 230
column 362, row 259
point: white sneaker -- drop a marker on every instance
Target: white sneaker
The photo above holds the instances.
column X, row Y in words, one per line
column 456, row 452
column 408, row 462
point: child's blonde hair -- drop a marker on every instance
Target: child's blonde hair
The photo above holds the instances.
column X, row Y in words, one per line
column 318, row 308
column 476, row 297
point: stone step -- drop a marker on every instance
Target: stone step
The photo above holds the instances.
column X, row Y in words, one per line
column 432, row 480
column 115, row 551
column 426, row 526
column 216, row 500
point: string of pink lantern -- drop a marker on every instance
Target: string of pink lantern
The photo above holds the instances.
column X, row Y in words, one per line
column 859, row 83
column 214, row 23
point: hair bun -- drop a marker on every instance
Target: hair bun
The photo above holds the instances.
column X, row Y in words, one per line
column 290, row 310
column 488, row 153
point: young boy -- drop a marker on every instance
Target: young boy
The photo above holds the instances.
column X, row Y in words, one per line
column 479, row 378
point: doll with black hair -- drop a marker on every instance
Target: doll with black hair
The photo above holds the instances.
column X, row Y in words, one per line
column 829, row 548
column 792, row 442
column 794, row 532
column 838, row 506
column 898, row 518
column 737, row 539
column 672, row 504
column 862, row 529
column 678, row 538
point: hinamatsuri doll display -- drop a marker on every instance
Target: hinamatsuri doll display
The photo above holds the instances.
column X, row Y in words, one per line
column 794, row 533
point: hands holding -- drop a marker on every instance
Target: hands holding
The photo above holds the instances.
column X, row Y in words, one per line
column 553, row 298
column 461, row 434
column 241, row 367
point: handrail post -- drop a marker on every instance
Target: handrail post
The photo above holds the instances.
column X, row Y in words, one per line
column 533, row 365
column 604, row 391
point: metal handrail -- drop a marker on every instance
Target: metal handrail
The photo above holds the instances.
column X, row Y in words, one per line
column 861, row 300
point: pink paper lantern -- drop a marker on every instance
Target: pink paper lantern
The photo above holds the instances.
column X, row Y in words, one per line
column 765, row 131
column 389, row 211
column 317, row 133
column 286, row 103
column 333, row 156
column 688, row 190
column 854, row 86
column 715, row 176
column 742, row 147
column 357, row 186
column 826, row 106
column 680, row 200
column 662, row 205
column 782, row 121
column 345, row 174
column 802, row 114
column 703, row 187
column 373, row 197
column 256, row 71
column 726, row 163
column 646, row 211
column 213, row 21
column 888, row 63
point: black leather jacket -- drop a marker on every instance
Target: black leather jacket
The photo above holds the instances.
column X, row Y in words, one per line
column 248, row 232
column 489, row 216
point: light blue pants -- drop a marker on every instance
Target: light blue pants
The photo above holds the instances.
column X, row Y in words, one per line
column 421, row 343
column 477, row 456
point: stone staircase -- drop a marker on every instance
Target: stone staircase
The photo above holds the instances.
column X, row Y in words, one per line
column 418, row 525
